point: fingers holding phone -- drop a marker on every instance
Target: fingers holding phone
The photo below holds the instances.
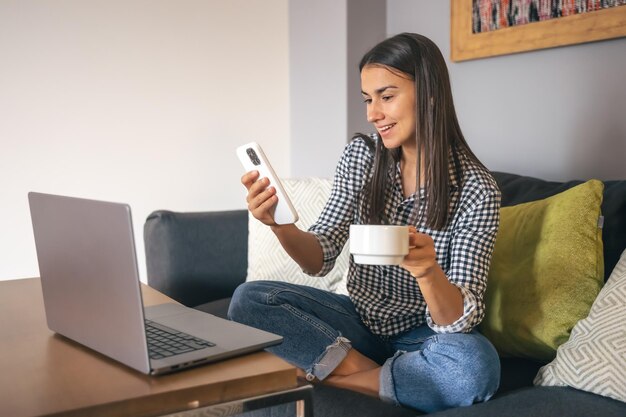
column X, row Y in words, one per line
column 261, row 197
column 267, row 200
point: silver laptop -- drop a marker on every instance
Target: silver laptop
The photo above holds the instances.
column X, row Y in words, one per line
column 92, row 293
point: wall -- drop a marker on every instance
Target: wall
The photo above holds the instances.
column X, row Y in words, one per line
column 144, row 101
column 326, row 41
column 137, row 101
column 367, row 26
column 556, row 113
column 317, row 89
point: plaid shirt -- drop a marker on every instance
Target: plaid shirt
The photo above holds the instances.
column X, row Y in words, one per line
column 388, row 298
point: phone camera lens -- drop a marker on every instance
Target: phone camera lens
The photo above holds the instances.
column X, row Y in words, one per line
column 253, row 156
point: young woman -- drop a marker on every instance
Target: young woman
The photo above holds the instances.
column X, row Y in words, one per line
column 406, row 333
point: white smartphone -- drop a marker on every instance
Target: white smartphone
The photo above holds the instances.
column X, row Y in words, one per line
column 252, row 158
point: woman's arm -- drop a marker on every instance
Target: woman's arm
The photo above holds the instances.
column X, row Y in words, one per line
column 444, row 299
column 317, row 249
column 471, row 250
column 302, row 246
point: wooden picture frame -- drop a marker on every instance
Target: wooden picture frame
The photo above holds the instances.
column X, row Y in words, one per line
column 586, row 27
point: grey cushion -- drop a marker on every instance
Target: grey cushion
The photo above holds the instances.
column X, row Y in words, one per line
column 525, row 402
column 542, row 402
column 335, row 402
column 196, row 257
column 218, row 308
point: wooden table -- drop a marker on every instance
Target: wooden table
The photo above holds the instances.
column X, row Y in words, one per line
column 44, row 374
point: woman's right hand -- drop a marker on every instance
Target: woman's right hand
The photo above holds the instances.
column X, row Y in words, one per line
column 303, row 247
column 261, row 197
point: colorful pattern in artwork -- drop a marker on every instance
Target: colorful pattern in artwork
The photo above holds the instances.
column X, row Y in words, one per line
column 490, row 15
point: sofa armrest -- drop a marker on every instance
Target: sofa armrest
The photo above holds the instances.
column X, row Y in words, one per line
column 196, row 258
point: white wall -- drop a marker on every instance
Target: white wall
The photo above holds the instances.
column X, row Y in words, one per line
column 556, row 113
column 138, row 101
column 367, row 26
column 317, row 62
column 326, row 41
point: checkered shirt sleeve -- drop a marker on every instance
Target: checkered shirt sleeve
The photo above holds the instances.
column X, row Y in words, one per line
column 472, row 241
column 333, row 226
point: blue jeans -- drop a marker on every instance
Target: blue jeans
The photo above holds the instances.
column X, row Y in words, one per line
column 421, row 369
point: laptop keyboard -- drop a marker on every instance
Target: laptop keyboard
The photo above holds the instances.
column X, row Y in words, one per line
column 164, row 341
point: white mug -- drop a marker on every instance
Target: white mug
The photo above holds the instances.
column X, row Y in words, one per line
column 379, row 244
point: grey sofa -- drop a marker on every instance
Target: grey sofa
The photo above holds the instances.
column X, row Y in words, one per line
column 199, row 259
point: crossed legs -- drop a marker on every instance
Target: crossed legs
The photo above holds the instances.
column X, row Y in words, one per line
column 324, row 336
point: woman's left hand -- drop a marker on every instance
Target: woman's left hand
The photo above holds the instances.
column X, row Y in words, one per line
column 444, row 300
column 421, row 260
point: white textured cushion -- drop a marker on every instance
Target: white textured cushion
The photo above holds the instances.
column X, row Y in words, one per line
column 267, row 260
column 594, row 357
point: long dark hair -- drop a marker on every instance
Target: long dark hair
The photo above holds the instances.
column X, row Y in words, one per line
column 437, row 130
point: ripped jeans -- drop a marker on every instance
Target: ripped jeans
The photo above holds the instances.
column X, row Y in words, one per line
column 421, row 369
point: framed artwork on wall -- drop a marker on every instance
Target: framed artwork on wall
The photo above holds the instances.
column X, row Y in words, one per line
column 583, row 23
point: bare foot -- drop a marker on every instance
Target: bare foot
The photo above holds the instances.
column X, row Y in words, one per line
column 366, row 382
column 354, row 362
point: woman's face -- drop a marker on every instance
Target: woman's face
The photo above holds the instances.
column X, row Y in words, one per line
column 390, row 102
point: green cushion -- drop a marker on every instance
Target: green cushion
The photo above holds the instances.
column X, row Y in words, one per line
column 546, row 271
